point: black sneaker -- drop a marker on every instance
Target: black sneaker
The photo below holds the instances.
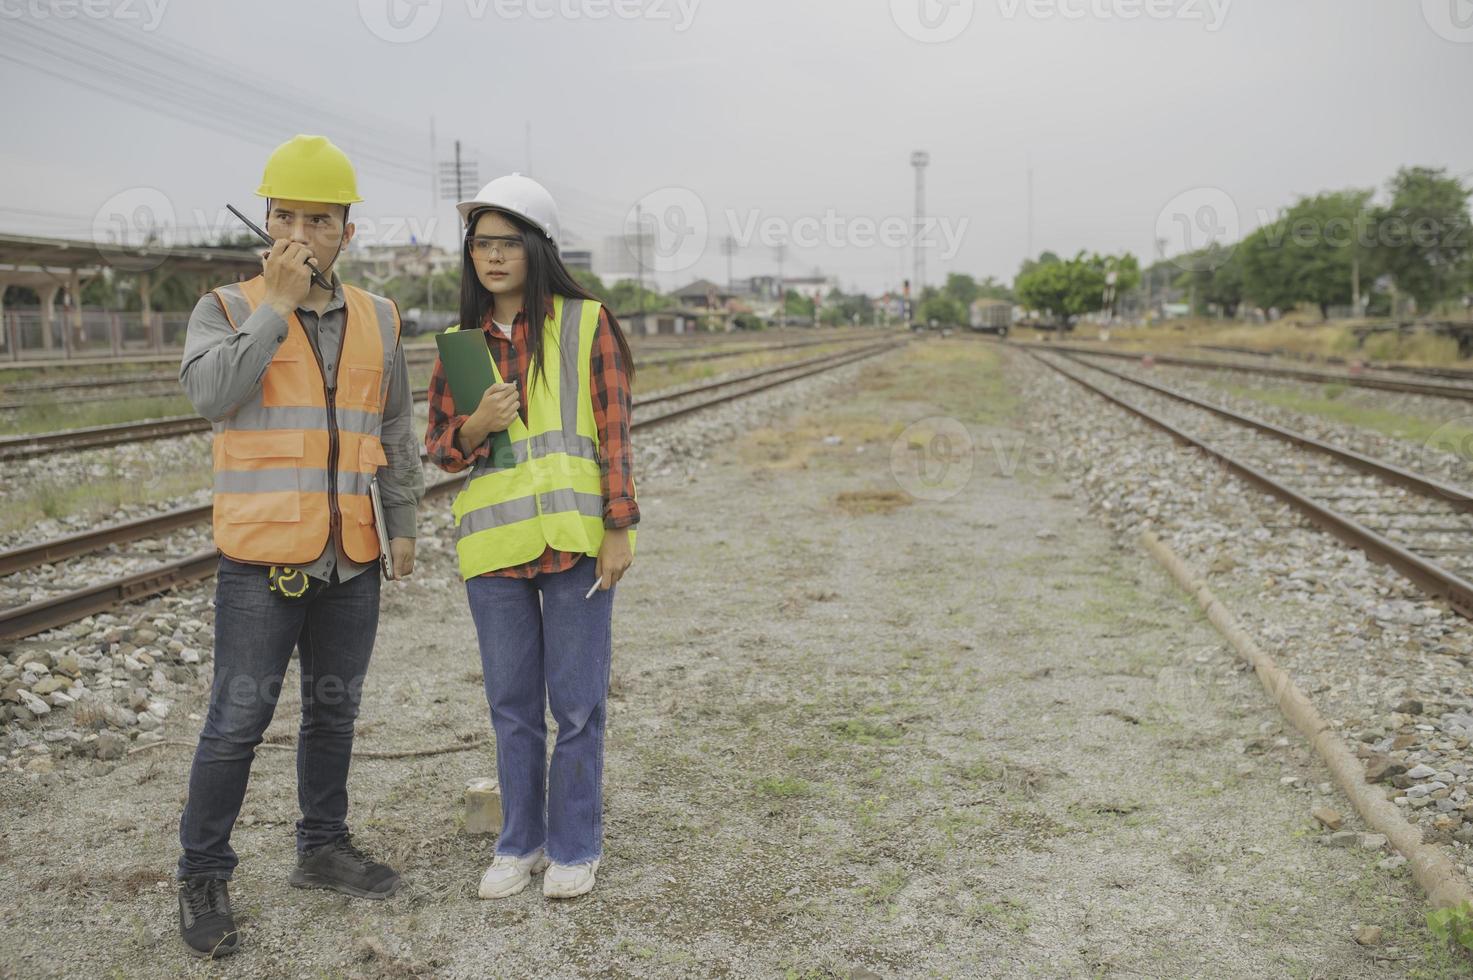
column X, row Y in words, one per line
column 343, row 868
column 205, row 921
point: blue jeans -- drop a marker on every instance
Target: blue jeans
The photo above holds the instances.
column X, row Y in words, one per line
column 333, row 627
column 561, row 645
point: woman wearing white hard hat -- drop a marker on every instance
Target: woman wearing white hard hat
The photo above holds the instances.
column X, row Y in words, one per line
column 544, row 530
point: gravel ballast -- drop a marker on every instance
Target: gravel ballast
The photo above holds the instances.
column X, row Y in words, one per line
column 853, row 731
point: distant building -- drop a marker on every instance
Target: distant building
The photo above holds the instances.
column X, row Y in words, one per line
column 578, row 258
column 704, row 294
column 755, row 288
column 809, row 286
column 671, row 321
column 382, row 262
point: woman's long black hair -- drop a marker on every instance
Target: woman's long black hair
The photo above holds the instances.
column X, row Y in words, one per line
column 546, row 275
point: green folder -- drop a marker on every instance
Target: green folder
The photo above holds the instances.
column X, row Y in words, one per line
column 468, row 369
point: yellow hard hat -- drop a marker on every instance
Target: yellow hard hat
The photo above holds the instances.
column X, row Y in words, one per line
column 309, row 168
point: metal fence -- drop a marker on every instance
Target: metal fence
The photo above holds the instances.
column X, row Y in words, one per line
column 90, row 333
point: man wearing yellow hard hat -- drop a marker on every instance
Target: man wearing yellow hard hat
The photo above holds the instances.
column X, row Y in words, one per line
column 309, row 394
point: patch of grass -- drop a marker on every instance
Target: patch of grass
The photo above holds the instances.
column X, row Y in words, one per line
column 1451, row 437
column 867, row 812
column 1008, row 912
column 978, row 770
column 866, row 732
column 1418, row 347
column 784, row 787
column 967, row 379
column 52, row 415
column 812, row 973
column 99, row 497
column 953, row 823
column 882, row 891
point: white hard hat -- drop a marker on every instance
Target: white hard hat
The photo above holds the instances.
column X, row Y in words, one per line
column 518, row 195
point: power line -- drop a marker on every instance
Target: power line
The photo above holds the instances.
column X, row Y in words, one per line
column 88, row 66
column 246, row 87
column 82, row 57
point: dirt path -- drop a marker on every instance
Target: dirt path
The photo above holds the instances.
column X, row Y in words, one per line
column 851, row 730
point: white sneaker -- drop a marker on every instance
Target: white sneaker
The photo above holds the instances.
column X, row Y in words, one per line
column 509, row 875
column 569, row 880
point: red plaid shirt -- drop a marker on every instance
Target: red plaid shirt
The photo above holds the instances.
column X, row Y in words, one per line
column 612, row 407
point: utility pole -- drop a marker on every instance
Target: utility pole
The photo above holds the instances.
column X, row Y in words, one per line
column 1030, row 206
column 920, row 159
column 1355, row 284
column 459, row 172
column 639, row 253
column 728, row 249
column 1160, row 257
column 456, row 175
column 434, row 187
column 781, row 252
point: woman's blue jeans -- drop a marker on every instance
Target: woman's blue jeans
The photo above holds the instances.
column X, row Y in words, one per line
column 540, row 635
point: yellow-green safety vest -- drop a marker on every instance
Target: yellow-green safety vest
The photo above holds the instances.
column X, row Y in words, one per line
column 548, row 489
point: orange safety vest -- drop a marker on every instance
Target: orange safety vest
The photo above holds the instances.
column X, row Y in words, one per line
column 294, row 462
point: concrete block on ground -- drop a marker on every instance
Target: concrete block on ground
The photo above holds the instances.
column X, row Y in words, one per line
column 482, row 807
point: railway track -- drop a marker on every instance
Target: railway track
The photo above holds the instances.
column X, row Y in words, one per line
column 1436, row 389
column 420, row 355
column 60, row 610
column 1420, row 526
column 94, row 437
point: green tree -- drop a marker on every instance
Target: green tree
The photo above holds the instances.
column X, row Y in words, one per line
column 1212, row 277
column 945, row 309
column 1424, row 237
column 1308, row 255
column 1046, row 288
column 1067, row 289
column 960, row 287
column 591, row 282
column 990, row 288
column 795, row 304
column 1029, row 265
column 846, row 308
column 626, row 296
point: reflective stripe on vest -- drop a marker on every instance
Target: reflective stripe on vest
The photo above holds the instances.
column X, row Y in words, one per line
column 549, row 492
column 273, row 472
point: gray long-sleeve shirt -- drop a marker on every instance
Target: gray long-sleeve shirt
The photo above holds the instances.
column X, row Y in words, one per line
column 223, row 367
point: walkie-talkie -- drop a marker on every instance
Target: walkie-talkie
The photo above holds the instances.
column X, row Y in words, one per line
column 317, row 277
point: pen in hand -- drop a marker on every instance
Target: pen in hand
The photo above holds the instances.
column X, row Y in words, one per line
column 599, row 581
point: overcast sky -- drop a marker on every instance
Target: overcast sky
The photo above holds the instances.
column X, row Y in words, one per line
column 760, row 119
